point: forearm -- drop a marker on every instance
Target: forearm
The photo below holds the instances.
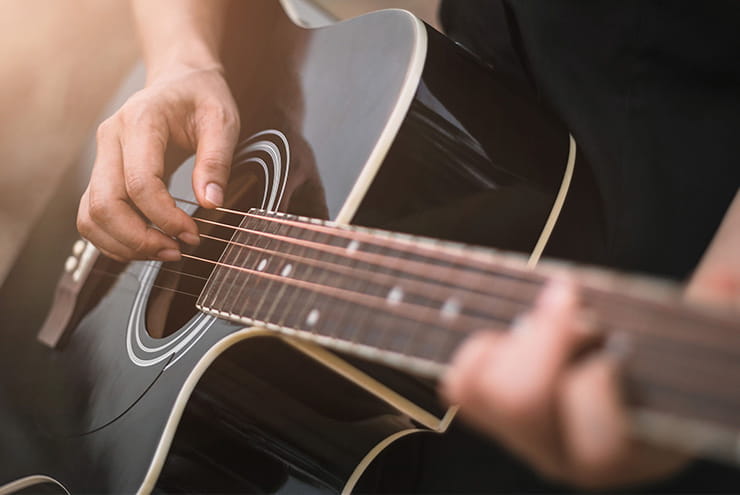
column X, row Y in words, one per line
column 180, row 33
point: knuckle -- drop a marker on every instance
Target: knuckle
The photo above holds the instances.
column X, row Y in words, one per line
column 221, row 115
column 105, row 129
column 83, row 225
column 214, row 162
column 136, row 186
column 231, row 121
column 137, row 114
column 140, row 245
column 97, row 207
column 168, row 224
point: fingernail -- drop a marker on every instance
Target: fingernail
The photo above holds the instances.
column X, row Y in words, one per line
column 189, row 238
column 169, row 255
column 214, row 194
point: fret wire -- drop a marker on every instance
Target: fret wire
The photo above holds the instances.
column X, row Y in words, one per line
column 347, row 322
column 310, row 299
column 436, row 349
column 338, row 309
column 214, row 285
column 302, row 270
column 241, row 279
column 350, row 330
column 329, row 308
column 386, row 337
column 279, row 298
column 228, row 256
column 247, row 290
column 373, row 326
column 261, row 287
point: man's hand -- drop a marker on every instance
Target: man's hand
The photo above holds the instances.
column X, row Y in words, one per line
column 566, row 417
column 192, row 108
column 186, row 102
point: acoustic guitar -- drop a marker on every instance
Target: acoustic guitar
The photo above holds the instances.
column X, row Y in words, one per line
column 290, row 349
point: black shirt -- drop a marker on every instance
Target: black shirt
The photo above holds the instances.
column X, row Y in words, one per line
column 651, row 92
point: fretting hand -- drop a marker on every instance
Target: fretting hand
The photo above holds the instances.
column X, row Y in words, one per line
column 566, row 417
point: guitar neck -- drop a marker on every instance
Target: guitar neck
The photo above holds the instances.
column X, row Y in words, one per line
column 409, row 302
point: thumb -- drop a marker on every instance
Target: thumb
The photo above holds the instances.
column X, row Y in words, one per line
column 213, row 157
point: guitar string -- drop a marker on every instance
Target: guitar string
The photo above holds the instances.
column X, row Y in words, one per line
column 524, row 275
column 647, row 348
column 477, row 301
column 482, row 324
column 231, row 227
column 415, row 311
column 599, row 293
column 593, row 293
column 416, row 268
column 382, row 259
column 627, row 322
column 520, row 270
column 510, row 316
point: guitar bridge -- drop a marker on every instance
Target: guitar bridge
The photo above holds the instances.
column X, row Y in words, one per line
column 77, row 268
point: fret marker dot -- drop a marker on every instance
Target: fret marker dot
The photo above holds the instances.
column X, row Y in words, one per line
column 395, row 295
column 262, row 265
column 286, row 270
column 312, row 318
column 353, row 246
column 450, row 309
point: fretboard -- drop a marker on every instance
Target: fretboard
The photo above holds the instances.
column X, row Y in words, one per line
column 410, row 302
column 379, row 294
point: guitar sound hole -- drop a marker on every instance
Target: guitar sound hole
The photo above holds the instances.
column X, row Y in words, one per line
column 171, row 303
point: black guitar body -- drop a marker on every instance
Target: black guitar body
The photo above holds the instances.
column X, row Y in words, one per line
column 379, row 121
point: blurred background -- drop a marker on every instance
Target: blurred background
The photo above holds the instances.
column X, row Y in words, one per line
column 60, row 63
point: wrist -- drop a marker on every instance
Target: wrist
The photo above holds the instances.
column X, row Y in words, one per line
column 183, row 59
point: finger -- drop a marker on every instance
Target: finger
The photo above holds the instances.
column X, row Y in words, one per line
column 107, row 210
column 459, row 383
column 597, row 438
column 594, row 423
column 520, row 383
column 218, row 133
column 144, row 147
column 518, row 389
column 111, row 247
column 549, row 336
